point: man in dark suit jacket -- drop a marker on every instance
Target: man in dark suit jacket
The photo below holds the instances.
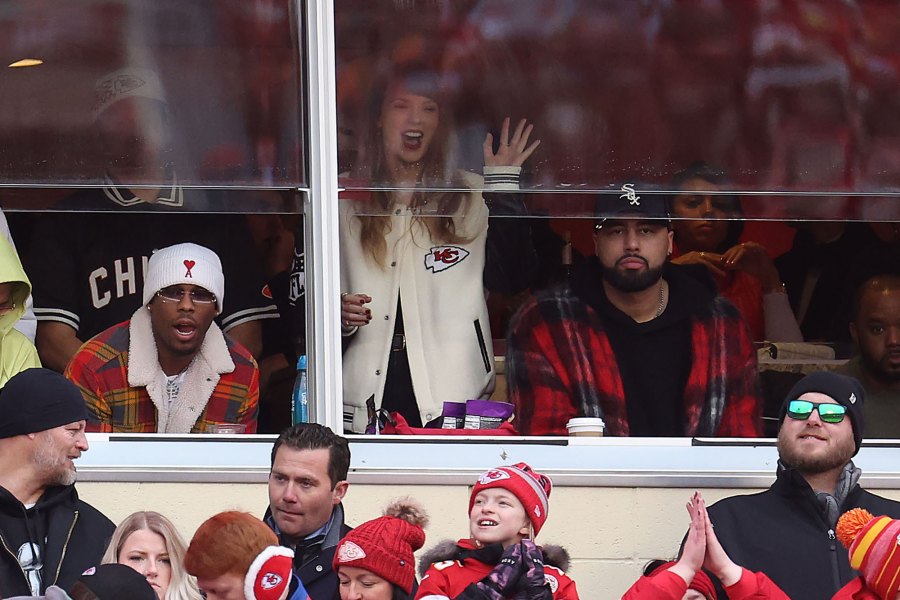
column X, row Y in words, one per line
column 307, row 482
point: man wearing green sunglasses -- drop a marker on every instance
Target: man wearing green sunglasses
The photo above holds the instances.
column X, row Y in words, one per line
column 787, row 531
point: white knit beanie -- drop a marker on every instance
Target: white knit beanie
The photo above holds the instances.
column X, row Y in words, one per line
column 185, row 264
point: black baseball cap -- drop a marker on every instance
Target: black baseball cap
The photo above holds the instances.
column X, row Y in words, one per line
column 642, row 201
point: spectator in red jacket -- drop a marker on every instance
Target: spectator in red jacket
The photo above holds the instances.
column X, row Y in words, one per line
column 500, row 560
column 643, row 344
column 684, row 580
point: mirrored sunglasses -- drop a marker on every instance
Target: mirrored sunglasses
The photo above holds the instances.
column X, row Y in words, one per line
column 830, row 413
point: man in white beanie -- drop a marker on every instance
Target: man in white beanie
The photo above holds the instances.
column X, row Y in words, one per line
column 170, row 369
column 84, row 282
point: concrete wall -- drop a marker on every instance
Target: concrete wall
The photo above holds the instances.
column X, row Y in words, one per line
column 609, row 532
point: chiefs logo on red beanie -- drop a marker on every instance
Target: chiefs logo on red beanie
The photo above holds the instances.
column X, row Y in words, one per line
column 530, row 487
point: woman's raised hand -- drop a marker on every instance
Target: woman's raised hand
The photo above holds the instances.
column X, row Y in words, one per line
column 513, row 151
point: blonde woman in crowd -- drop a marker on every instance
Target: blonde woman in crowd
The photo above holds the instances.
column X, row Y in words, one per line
column 148, row 542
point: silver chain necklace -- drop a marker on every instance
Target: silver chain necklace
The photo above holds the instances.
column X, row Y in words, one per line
column 662, row 299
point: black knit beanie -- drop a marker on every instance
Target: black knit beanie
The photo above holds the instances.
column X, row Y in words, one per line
column 36, row 400
column 842, row 389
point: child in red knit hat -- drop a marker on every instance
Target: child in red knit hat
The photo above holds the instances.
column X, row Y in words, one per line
column 507, row 509
column 375, row 561
column 874, row 545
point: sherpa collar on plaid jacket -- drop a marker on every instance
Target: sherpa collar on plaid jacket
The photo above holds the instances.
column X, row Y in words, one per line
column 560, row 365
column 119, row 376
column 200, row 378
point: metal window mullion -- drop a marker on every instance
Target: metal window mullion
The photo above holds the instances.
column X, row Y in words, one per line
column 321, row 219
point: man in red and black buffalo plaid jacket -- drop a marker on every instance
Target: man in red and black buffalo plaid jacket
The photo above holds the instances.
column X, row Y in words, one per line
column 646, row 345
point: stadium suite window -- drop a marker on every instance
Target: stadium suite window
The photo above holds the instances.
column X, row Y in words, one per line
column 617, row 92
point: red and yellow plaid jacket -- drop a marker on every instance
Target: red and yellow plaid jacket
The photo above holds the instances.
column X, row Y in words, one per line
column 100, row 370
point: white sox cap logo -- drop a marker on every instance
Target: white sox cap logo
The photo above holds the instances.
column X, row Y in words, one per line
column 630, row 195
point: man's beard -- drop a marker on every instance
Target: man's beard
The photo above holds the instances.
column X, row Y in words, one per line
column 837, row 456
column 47, row 462
column 880, row 369
column 631, row 280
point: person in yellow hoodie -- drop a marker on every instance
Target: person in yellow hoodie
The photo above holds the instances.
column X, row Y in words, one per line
column 17, row 353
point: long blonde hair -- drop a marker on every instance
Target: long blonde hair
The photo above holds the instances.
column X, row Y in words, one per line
column 436, row 170
column 182, row 586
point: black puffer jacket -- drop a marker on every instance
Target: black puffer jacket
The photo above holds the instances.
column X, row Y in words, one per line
column 784, row 533
column 69, row 535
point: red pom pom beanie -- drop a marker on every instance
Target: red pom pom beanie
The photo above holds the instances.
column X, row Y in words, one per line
column 530, row 487
column 385, row 545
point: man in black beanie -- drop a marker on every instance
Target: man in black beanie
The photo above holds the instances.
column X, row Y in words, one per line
column 50, row 536
column 787, row 531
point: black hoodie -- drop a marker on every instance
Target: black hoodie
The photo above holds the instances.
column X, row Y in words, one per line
column 67, row 535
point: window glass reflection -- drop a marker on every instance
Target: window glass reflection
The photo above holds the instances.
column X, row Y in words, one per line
column 157, row 95
column 785, row 97
column 765, row 128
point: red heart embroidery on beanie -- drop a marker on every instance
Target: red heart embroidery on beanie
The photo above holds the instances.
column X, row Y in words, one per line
column 190, row 265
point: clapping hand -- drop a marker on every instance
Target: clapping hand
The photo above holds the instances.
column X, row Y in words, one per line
column 703, row 550
column 717, row 560
column 694, row 552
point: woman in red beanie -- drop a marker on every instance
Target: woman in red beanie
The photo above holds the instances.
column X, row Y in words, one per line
column 684, row 580
column 375, row 561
